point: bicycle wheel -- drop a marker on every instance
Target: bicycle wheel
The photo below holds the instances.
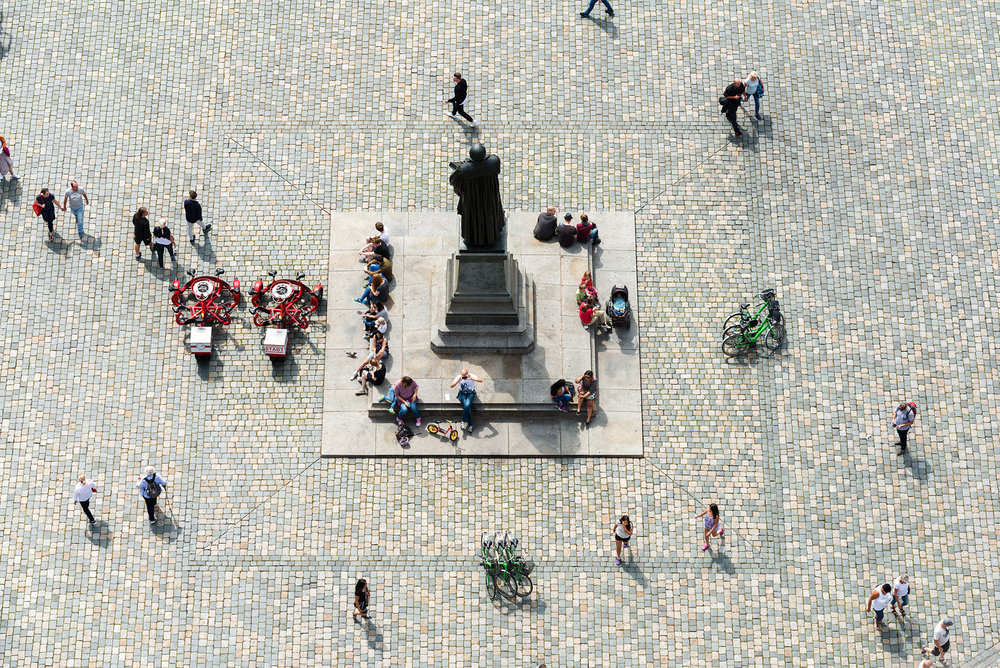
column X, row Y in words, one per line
column 732, row 321
column 432, row 429
column 735, row 345
column 774, row 337
column 491, row 585
column 523, row 585
column 507, row 586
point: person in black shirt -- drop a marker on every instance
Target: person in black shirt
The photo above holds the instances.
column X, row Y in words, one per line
column 545, row 228
column 48, row 204
column 375, row 375
column 192, row 212
column 163, row 239
column 733, row 96
column 458, row 102
column 142, row 234
column 567, row 232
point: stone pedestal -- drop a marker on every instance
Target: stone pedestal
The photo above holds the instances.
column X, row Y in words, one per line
column 487, row 306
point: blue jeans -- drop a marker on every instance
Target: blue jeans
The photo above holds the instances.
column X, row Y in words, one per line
column 366, row 296
column 79, row 219
column 756, row 104
column 406, row 410
column 466, row 398
column 563, row 399
column 593, row 3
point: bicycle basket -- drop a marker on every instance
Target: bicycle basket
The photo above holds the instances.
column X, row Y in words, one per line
column 768, row 295
column 528, row 566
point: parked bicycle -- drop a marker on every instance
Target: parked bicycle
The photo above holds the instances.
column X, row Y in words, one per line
column 507, row 572
column 764, row 322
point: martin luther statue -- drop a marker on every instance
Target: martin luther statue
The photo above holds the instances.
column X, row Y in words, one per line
column 478, row 188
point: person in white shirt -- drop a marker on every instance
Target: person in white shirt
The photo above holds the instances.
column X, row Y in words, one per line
column 754, row 89
column 942, row 642
column 878, row 601
column 901, row 594
column 82, row 493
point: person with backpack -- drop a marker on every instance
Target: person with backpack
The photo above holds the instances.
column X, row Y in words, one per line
column 754, row 89
column 361, row 598
column 906, row 414
column 150, row 487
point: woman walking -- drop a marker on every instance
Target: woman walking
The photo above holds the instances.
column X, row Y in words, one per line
column 6, row 161
column 81, row 494
column 713, row 523
column 361, row 595
column 622, row 532
column 45, row 206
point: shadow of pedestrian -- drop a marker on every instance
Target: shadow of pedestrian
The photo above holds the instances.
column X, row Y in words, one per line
column 918, row 465
column 91, row 243
column 10, row 190
column 607, row 26
column 204, row 250
column 632, row 569
column 375, row 637
column 720, row 561
column 58, row 245
column 99, row 533
column 166, row 526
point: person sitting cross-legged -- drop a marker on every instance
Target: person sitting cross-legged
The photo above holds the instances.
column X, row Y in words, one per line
column 403, row 399
column 466, row 395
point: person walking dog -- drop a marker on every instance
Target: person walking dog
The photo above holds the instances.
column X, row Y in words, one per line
column 150, row 487
column 85, row 489
column 460, row 98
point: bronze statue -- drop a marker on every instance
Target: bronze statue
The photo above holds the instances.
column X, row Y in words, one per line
column 478, row 188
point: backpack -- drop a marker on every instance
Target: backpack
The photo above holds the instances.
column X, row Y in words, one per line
column 153, row 488
column 403, row 435
column 913, row 407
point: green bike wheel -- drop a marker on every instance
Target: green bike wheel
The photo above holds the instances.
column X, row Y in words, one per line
column 491, row 585
column 735, row 345
column 774, row 337
column 523, row 585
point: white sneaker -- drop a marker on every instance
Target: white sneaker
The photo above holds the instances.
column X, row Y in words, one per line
column 472, row 124
column 14, row 176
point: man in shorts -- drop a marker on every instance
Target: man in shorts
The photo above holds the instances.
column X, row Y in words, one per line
column 942, row 642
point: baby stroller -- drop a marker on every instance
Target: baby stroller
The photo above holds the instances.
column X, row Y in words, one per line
column 618, row 309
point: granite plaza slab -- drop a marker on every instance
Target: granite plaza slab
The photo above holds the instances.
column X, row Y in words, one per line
column 422, row 243
column 866, row 196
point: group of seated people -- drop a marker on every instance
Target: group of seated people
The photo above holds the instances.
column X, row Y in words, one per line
column 589, row 306
column 584, row 231
column 378, row 272
column 585, row 390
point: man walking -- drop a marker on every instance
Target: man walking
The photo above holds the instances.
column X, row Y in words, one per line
column 77, row 197
column 81, row 494
column 902, row 421
column 192, row 212
column 731, row 99
column 593, row 3
column 150, row 487
column 461, row 95
column 878, row 601
column 942, row 641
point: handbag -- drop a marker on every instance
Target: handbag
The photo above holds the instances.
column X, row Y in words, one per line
column 37, row 208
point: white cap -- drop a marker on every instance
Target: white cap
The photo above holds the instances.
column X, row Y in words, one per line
column 150, row 470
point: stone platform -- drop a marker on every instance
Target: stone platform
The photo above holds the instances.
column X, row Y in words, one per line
column 514, row 415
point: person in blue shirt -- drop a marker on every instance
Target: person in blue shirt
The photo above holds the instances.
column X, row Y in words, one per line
column 466, row 395
column 150, row 486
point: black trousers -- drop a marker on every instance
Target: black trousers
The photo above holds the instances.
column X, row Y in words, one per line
column 459, row 108
column 150, row 505
column 731, row 117
column 86, row 509
column 159, row 252
column 902, row 438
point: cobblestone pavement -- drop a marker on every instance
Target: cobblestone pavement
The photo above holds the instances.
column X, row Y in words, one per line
column 865, row 197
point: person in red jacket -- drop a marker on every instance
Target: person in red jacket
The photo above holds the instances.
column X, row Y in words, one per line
column 587, row 231
column 591, row 313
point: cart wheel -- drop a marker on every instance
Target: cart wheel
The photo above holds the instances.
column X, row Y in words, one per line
column 453, row 436
column 432, row 429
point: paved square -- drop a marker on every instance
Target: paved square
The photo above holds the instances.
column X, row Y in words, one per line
column 866, row 196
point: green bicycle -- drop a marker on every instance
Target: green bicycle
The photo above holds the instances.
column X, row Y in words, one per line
column 740, row 336
column 506, row 572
